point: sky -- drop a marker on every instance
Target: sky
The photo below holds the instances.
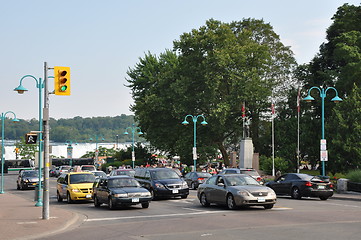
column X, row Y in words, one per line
column 101, row 40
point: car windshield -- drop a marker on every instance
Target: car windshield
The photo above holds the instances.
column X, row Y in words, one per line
column 88, row 168
column 31, row 174
column 65, row 167
column 100, row 174
column 158, row 175
column 129, row 173
column 236, row 180
column 123, row 182
column 82, row 178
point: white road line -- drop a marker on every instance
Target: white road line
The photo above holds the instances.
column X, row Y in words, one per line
column 153, row 216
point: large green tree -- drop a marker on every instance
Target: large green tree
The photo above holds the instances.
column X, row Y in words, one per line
column 212, row 71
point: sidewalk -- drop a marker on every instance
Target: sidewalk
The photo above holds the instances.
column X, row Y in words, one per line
column 20, row 219
column 354, row 196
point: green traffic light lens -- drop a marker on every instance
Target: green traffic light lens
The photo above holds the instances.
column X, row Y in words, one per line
column 63, row 88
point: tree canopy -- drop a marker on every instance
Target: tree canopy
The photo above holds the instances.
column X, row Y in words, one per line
column 211, row 71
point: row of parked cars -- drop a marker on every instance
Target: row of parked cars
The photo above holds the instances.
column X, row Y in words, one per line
column 140, row 186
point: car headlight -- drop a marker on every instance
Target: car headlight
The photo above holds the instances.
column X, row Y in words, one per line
column 27, row 180
column 159, row 185
column 243, row 193
column 121, row 195
column 184, row 185
column 75, row 190
column 145, row 194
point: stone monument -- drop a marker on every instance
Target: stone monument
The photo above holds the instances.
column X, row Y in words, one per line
column 246, row 146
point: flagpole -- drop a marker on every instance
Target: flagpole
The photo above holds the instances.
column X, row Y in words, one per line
column 298, row 129
column 273, row 138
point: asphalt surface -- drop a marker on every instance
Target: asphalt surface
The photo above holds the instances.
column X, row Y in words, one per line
column 21, row 219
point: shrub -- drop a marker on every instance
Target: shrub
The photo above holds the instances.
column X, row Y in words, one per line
column 354, row 176
column 280, row 165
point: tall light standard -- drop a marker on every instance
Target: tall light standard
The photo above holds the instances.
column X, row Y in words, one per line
column 309, row 98
column 194, row 119
column 133, row 129
column 96, row 148
column 40, row 84
column 69, row 151
column 3, row 115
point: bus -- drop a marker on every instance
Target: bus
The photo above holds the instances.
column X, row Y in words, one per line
column 18, row 165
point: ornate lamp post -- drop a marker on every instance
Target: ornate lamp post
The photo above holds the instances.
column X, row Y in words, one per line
column 194, row 119
column 96, row 147
column 309, row 98
column 3, row 115
column 133, row 129
column 21, row 89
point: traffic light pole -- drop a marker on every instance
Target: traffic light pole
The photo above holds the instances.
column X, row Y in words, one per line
column 46, row 197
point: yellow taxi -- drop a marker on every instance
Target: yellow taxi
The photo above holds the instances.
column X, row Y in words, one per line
column 75, row 186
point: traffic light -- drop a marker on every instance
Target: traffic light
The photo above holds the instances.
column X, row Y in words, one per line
column 62, row 81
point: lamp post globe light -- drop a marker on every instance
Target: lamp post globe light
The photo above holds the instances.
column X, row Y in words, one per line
column 133, row 130
column 40, row 84
column 96, row 148
column 309, row 98
column 194, row 119
column 3, row 115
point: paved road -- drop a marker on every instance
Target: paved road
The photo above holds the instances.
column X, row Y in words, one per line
column 186, row 219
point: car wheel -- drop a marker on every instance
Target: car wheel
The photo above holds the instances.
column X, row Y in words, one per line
column 204, row 201
column 22, row 187
column 184, row 196
column 296, row 193
column 110, row 204
column 268, row 206
column 96, row 202
column 17, row 186
column 152, row 194
column 193, row 186
column 231, row 204
column 323, row 198
column 145, row 205
column 68, row 198
column 58, row 197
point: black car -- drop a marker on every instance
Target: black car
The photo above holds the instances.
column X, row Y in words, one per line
column 162, row 182
column 193, row 179
column 300, row 185
column 120, row 191
column 27, row 179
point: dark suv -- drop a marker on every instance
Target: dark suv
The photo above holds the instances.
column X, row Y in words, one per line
column 120, row 191
column 162, row 182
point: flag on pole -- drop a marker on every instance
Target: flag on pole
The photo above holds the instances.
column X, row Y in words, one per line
column 273, row 109
column 243, row 110
column 299, row 100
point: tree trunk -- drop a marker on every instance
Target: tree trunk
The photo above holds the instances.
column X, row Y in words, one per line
column 224, row 154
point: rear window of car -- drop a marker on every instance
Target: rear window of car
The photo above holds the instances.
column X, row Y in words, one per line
column 204, row 175
column 164, row 174
column 249, row 172
column 82, row 178
column 129, row 173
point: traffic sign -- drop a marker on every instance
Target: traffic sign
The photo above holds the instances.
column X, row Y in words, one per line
column 30, row 138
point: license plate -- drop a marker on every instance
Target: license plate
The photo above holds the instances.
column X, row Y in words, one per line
column 321, row 187
column 175, row 191
column 261, row 199
column 135, row 199
column 88, row 196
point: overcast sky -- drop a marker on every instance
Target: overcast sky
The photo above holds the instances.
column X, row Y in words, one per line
column 101, row 40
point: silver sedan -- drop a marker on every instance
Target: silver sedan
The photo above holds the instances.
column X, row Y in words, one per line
column 235, row 190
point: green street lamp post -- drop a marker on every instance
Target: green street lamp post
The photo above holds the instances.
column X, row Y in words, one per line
column 69, row 150
column 40, row 84
column 133, row 129
column 96, row 147
column 3, row 115
column 194, row 119
column 309, row 98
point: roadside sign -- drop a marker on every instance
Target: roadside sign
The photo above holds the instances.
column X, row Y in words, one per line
column 324, row 156
column 30, row 138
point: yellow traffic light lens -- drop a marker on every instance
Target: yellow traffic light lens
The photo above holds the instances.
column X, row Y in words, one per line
column 63, row 80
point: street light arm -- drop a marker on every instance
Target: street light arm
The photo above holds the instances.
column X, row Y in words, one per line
column 39, row 83
column 336, row 98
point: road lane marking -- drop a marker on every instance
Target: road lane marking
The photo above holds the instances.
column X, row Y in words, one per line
column 153, row 216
